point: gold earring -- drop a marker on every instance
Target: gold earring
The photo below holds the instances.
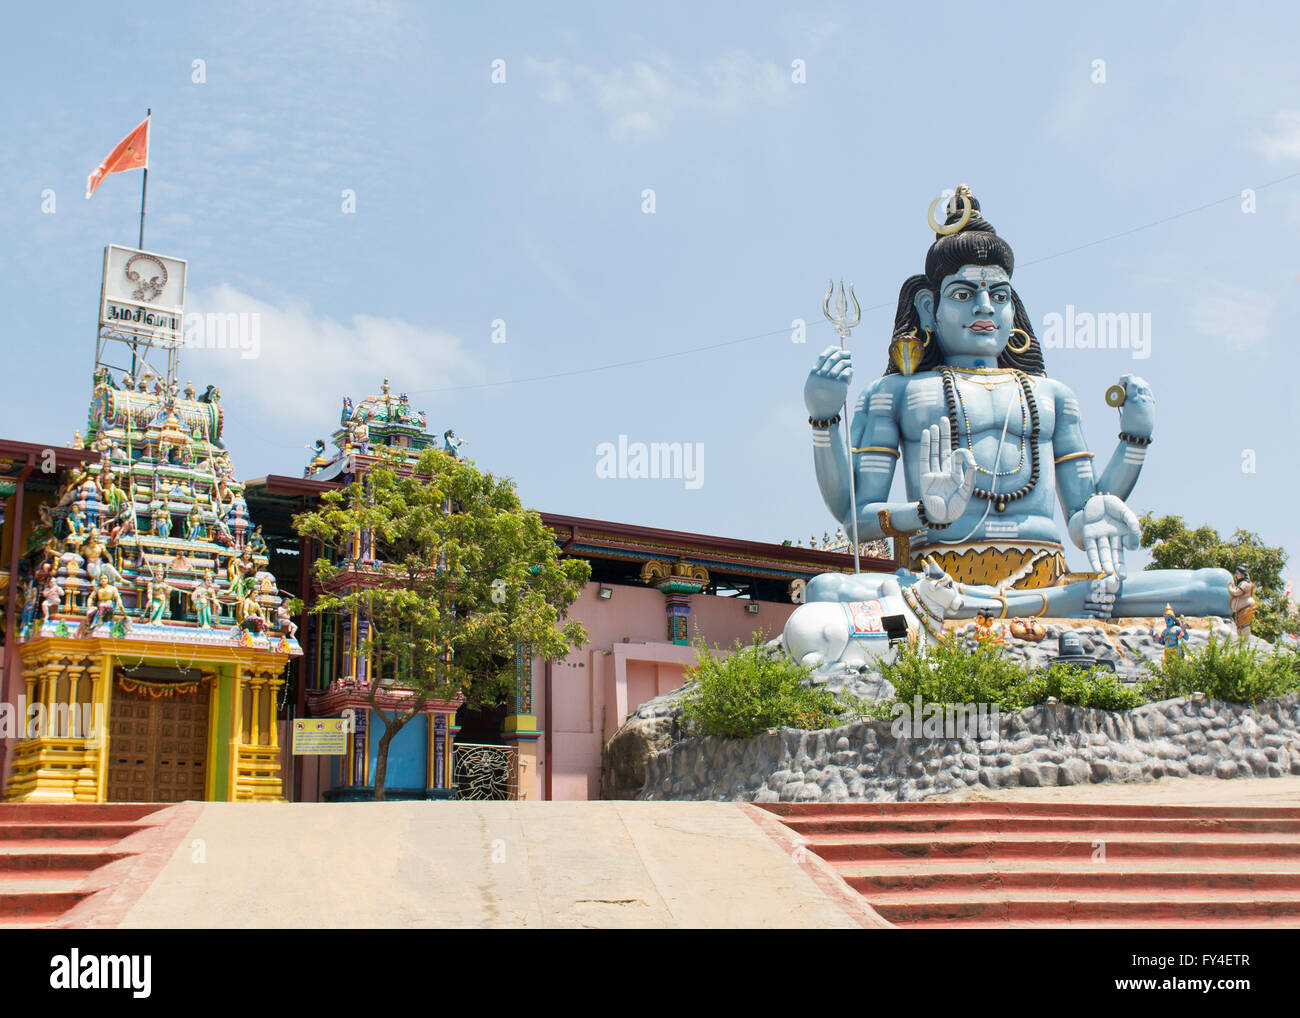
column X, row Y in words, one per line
column 928, row 336
column 1028, row 341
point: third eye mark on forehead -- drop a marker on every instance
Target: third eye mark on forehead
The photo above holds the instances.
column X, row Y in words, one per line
column 987, row 274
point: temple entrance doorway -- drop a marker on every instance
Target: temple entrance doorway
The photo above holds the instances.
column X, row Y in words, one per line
column 158, row 741
column 482, row 727
column 483, row 763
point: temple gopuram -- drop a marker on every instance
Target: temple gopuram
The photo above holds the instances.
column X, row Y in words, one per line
column 153, row 638
column 420, row 755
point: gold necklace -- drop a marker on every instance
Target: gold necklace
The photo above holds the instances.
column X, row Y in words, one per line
column 1007, row 376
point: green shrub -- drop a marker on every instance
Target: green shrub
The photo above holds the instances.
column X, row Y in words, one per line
column 749, row 691
column 1098, row 688
column 954, row 673
column 1234, row 671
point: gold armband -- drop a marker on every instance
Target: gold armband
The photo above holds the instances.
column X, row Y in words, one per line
column 1073, row 456
column 878, row 448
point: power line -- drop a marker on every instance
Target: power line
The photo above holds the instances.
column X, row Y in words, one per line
column 1158, row 222
column 874, row 307
column 609, row 367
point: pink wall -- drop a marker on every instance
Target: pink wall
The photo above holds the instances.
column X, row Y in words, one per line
column 628, row 660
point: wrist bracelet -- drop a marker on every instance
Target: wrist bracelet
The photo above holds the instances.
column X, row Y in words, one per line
column 824, row 422
column 1124, row 436
column 920, row 512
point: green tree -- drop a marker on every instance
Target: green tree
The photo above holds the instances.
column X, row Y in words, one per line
column 462, row 575
column 1174, row 546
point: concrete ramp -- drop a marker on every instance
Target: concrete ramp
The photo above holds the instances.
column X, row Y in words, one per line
column 603, row 865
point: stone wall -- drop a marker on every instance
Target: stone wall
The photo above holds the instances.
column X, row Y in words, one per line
column 1048, row 745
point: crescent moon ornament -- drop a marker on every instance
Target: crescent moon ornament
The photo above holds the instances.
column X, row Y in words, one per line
column 956, row 227
column 1115, row 396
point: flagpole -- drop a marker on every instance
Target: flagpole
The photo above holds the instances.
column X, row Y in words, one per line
column 144, row 184
column 144, row 189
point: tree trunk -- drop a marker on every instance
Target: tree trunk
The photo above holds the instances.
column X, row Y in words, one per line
column 391, row 728
column 381, row 760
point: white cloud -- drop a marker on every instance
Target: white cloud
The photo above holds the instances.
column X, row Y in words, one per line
column 639, row 102
column 1236, row 315
column 291, row 373
column 1283, row 142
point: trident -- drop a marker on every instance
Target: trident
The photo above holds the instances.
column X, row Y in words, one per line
column 843, row 326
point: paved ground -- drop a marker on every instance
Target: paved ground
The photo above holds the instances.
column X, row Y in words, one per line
column 536, row 865
column 492, row 864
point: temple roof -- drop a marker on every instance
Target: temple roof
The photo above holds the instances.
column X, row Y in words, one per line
column 150, row 539
column 380, row 419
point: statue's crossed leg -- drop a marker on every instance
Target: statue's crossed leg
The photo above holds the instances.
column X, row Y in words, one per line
column 1196, row 592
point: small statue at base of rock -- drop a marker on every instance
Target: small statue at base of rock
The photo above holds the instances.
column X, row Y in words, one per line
column 1174, row 637
column 1242, row 601
column 984, row 631
column 1029, row 630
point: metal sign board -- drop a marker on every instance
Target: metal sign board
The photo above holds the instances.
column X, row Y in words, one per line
column 320, row 736
column 143, row 294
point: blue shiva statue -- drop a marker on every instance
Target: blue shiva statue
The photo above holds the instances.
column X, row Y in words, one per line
column 987, row 443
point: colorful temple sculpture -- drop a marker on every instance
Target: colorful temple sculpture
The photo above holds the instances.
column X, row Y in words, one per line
column 382, row 421
column 988, row 443
column 153, row 639
column 421, row 756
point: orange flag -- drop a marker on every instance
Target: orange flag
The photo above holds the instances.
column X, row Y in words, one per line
column 132, row 153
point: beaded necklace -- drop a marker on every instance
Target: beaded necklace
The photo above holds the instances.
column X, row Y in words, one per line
column 999, row 499
column 1024, row 427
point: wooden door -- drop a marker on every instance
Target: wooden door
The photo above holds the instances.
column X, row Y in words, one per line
column 158, row 748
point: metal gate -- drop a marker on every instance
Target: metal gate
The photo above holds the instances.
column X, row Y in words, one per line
column 484, row 772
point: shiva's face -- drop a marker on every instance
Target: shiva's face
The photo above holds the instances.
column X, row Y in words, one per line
column 975, row 314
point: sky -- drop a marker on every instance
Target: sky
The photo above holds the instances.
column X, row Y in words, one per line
column 553, row 225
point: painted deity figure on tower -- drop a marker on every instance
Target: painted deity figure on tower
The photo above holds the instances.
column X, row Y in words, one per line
column 204, row 599
column 156, row 595
column 105, row 604
column 53, row 596
column 29, row 605
column 161, row 519
column 987, row 443
column 451, row 443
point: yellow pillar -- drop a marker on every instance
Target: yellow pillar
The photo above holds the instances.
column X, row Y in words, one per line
column 104, row 701
column 51, row 684
column 236, row 726
column 273, row 693
column 364, row 778
column 522, row 731
column 255, row 705
column 210, row 782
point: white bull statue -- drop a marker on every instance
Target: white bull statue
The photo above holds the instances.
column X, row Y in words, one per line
column 856, row 633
